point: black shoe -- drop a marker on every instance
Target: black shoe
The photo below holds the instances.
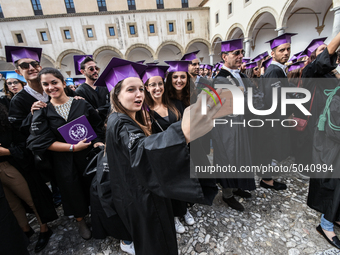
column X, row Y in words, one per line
column 233, row 203
column 335, row 240
column 29, row 233
column 276, row 186
column 43, row 240
column 242, row 193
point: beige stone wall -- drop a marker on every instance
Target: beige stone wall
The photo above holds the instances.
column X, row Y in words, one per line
column 336, row 3
column 53, row 7
column 85, row 5
column 194, row 3
column 117, row 5
column 145, row 5
column 172, row 4
column 19, row 9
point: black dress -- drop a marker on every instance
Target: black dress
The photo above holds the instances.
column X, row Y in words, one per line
column 68, row 167
column 316, row 76
column 145, row 173
column 99, row 98
column 231, row 144
column 159, row 125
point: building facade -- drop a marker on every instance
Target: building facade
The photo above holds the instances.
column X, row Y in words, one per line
column 157, row 30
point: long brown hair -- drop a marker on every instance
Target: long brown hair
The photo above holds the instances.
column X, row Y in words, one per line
column 116, row 106
column 188, row 91
column 165, row 101
column 8, row 93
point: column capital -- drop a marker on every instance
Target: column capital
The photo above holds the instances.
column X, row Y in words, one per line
column 335, row 9
column 247, row 39
column 280, row 29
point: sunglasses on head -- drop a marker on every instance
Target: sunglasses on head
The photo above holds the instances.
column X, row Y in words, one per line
column 25, row 65
column 91, row 68
column 12, row 83
column 238, row 52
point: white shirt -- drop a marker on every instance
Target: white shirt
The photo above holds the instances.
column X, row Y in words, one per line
column 40, row 97
column 236, row 74
column 283, row 67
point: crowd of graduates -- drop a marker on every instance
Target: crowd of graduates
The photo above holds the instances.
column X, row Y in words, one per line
column 132, row 174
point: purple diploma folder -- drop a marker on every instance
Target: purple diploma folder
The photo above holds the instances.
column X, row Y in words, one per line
column 77, row 130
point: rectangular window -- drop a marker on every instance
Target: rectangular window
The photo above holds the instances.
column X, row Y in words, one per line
column 152, row 28
column 19, row 38
column 132, row 30
column 101, row 5
column 171, row 27
column 189, row 26
column 131, row 4
column 36, row 7
column 69, row 6
column 44, row 36
column 112, row 31
column 89, row 32
column 185, row 4
column 160, row 4
column 217, row 18
column 67, row 34
column 230, row 8
column 1, row 13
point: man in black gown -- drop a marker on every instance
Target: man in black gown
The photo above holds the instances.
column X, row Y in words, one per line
column 98, row 97
column 276, row 145
column 194, row 66
column 231, row 143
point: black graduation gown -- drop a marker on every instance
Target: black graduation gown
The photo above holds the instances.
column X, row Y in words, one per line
column 68, row 167
column 276, row 141
column 324, row 193
column 20, row 117
column 13, row 240
column 145, row 173
column 231, row 144
column 104, row 218
column 179, row 207
column 5, row 101
column 98, row 98
column 316, row 76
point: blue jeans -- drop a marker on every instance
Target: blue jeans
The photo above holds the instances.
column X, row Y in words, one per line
column 326, row 225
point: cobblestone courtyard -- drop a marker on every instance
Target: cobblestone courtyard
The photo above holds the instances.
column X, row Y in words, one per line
column 274, row 222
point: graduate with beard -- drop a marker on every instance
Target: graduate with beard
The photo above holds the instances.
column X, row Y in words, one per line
column 97, row 96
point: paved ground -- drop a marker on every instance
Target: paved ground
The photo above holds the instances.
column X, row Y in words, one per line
column 274, row 222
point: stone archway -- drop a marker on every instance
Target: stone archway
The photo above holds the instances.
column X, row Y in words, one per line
column 236, row 31
column 169, row 50
column 107, row 48
column 64, row 54
column 204, row 49
column 47, row 61
column 139, row 52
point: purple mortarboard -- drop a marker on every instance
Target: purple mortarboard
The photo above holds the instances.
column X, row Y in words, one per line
column 178, row 66
column 190, row 56
column 140, row 62
column 77, row 59
column 296, row 65
column 267, row 62
column 313, row 45
column 77, row 130
column 295, row 57
column 153, row 70
column 251, row 65
column 232, row 45
column 13, row 75
column 202, row 66
column 14, row 53
column 208, row 67
column 117, row 70
column 245, row 60
column 281, row 39
column 260, row 56
column 78, row 81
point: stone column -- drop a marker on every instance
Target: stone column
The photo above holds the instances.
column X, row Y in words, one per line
column 247, row 47
column 211, row 59
column 336, row 23
column 280, row 30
